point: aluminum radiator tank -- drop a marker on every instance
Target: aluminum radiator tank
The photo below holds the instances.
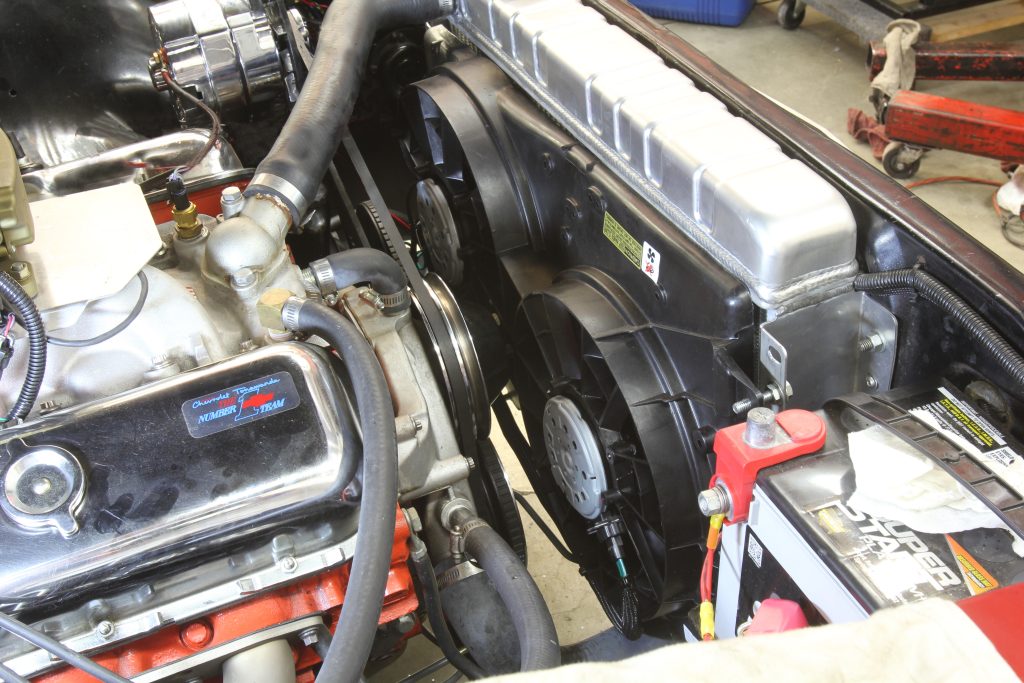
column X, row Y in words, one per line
column 769, row 219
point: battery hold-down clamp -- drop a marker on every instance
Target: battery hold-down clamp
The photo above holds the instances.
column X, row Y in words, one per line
column 743, row 450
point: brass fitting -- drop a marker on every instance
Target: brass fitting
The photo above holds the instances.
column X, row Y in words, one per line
column 187, row 222
column 270, row 306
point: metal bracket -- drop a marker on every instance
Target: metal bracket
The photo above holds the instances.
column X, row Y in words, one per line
column 775, row 359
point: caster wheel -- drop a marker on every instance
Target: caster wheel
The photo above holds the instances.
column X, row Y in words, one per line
column 791, row 14
column 898, row 163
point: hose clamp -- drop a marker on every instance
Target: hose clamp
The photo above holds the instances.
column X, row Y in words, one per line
column 309, row 282
column 290, row 313
column 268, row 183
column 392, row 304
column 453, row 575
column 471, row 525
column 323, row 276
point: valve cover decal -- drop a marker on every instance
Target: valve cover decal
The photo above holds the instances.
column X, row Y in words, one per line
column 240, row 404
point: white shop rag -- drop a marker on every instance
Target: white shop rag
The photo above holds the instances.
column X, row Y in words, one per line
column 896, row 482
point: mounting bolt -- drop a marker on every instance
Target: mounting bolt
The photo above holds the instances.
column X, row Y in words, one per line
column 873, row 342
column 47, row 407
column 196, row 635
column 760, row 432
column 21, row 271
column 412, row 518
column 714, row 501
column 405, row 623
column 573, row 210
column 289, row 564
column 772, row 394
column 105, row 629
column 371, row 297
column 871, row 382
column 548, row 163
column 243, row 277
column 231, row 201
column 310, row 636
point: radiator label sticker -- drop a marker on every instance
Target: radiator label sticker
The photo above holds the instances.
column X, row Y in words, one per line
column 652, row 262
column 643, row 256
column 240, row 404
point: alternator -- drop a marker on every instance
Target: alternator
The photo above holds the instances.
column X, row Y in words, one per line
column 225, row 51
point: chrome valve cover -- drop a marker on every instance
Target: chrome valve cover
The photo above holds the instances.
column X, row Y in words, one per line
column 172, row 470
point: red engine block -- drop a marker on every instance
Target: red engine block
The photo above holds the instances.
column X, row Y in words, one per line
column 321, row 594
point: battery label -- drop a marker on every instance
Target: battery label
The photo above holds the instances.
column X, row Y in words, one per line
column 902, row 565
column 961, row 422
column 240, row 404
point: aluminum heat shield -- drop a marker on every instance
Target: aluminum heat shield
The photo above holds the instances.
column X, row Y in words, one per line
column 767, row 218
column 173, row 470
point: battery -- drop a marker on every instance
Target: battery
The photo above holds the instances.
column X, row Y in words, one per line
column 804, row 542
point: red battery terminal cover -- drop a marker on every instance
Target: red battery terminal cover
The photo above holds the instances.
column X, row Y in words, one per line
column 776, row 616
column 738, row 462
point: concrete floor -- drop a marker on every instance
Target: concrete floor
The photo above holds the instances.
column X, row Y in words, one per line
column 818, row 71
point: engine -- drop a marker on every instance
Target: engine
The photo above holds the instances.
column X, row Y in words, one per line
column 273, row 270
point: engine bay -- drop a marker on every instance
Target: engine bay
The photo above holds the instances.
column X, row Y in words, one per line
column 273, row 274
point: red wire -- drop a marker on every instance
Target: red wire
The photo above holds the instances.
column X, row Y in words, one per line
column 401, row 221
column 705, row 575
column 961, row 179
column 708, row 569
column 953, row 179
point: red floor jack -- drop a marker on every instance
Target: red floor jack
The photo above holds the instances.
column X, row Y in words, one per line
column 916, row 122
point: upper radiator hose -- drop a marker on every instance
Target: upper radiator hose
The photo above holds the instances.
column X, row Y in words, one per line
column 920, row 282
column 293, row 169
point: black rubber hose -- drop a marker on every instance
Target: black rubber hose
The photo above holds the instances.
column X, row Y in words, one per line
column 140, row 303
column 28, row 315
column 538, row 640
column 357, row 625
column 311, row 134
column 435, row 614
column 362, row 264
column 924, row 284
